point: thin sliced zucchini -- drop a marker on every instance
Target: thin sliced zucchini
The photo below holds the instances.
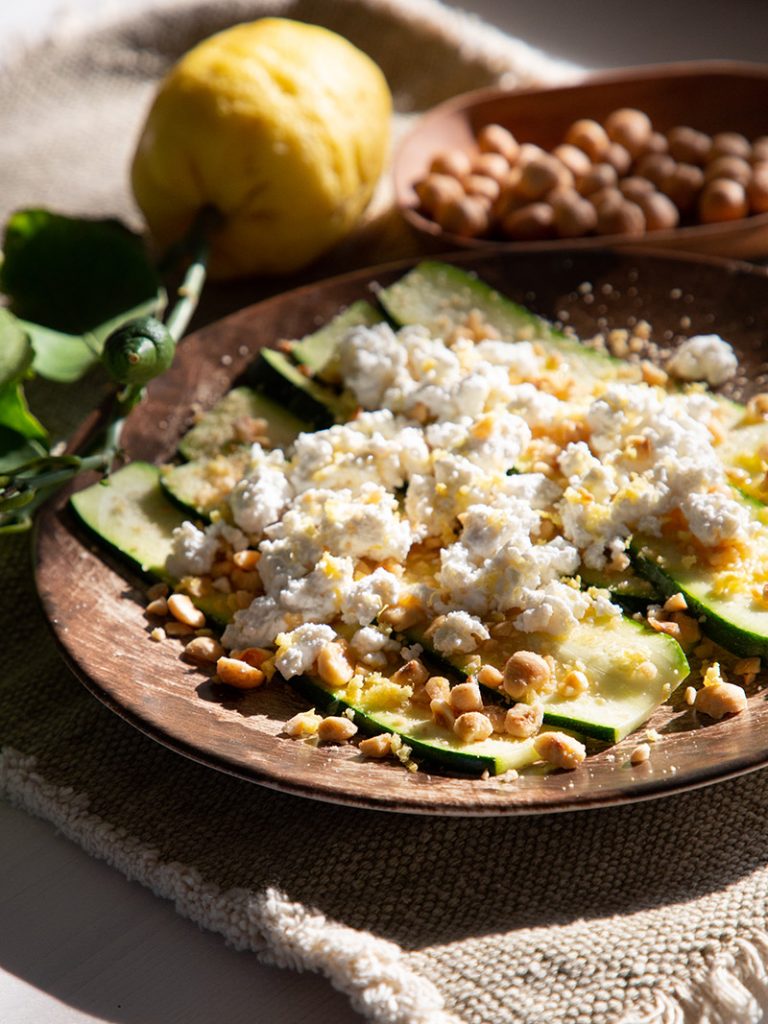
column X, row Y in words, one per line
column 130, row 513
column 204, row 484
column 631, row 670
column 315, row 403
column 632, row 592
column 496, row 755
column 317, row 351
column 441, row 297
column 744, row 453
column 731, row 605
column 225, row 427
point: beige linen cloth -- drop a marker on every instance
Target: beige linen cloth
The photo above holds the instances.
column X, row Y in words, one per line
column 653, row 912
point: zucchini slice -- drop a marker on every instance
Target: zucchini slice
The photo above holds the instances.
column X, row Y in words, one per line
column 631, row 669
column 440, row 746
column 201, row 486
column 131, row 514
column 744, row 453
column 441, row 297
column 730, row 603
column 303, row 396
column 224, row 428
column 317, row 351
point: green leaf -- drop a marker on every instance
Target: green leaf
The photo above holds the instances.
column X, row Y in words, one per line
column 66, row 357
column 16, row 450
column 72, row 274
column 15, row 414
column 15, row 348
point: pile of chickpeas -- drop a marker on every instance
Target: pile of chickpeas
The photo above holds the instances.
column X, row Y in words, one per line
column 618, row 177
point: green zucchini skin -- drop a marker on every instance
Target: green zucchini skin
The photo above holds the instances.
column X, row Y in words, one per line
column 276, row 375
column 436, row 745
column 733, row 624
column 317, row 351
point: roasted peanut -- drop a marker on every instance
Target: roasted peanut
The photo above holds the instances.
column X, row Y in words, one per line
column 526, row 670
column 333, row 666
column 524, row 720
column 473, row 727
column 721, row 699
column 239, row 674
column 465, row 697
column 336, row 729
column 376, row 746
column 559, row 749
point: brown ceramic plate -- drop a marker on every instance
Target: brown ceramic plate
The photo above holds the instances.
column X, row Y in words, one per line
column 95, row 604
column 711, row 96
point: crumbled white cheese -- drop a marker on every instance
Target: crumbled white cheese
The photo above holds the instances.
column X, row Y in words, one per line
column 458, row 633
column 366, row 597
column 715, row 517
column 261, row 497
column 705, row 357
column 297, row 651
column 370, row 646
column 193, row 551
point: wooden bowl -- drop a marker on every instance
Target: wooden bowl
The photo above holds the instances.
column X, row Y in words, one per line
column 95, row 603
column 711, row 96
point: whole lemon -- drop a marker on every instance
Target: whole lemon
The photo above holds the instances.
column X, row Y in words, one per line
column 283, row 127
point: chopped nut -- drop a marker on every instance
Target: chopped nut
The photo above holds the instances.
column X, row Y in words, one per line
column 401, row 617
column 437, row 688
column 255, row 656
column 652, row 735
column 747, row 667
column 720, row 699
column 247, row 559
column 157, row 590
column 640, row 754
column 239, row 673
column 675, row 603
column 248, row 581
column 473, row 727
column 490, row 676
column 690, row 695
column 412, row 673
column 575, row 682
column 465, row 697
column 157, row 607
column 377, row 746
column 203, row 648
column 442, row 713
column 333, row 667
column 178, row 629
column 653, row 374
column 303, row 724
column 158, row 634
column 559, row 749
column 336, row 729
column 523, row 670
column 181, row 608
column 524, row 720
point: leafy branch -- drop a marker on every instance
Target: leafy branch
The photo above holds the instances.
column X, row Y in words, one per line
column 133, row 349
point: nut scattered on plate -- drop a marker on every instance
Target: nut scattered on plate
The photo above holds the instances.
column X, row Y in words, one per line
column 617, row 177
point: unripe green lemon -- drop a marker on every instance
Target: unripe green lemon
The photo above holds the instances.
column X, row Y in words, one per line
column 283, row 127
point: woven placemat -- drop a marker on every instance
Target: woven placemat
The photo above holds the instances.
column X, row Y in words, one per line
column 650, row 912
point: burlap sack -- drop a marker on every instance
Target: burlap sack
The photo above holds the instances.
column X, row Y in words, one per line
column 654, row 911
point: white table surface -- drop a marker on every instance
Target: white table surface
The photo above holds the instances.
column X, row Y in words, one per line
column 78, row 943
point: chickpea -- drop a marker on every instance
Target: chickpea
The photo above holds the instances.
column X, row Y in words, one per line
column 732, row 167
column 630, row 128
column 689, row 145
column 533, row 222
column 655, row 167
column 683, row 186
column 491, row 165
column 541, row 175
column 730, row 144
column 436, row 190
column 760, row 149
column 590, row 137
column 635, row 186
column 528, row 152
column 657, row 143
column 481, row 186
column 618, row 157
column 598, row 177
column 660, row 212
column 575, row 159
column 453, row 162
column 493, row 138
column 604, row 195
column 467, row 216
column 574, row 216
column 757, row 190
column 722, row 200
column 623, row 218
